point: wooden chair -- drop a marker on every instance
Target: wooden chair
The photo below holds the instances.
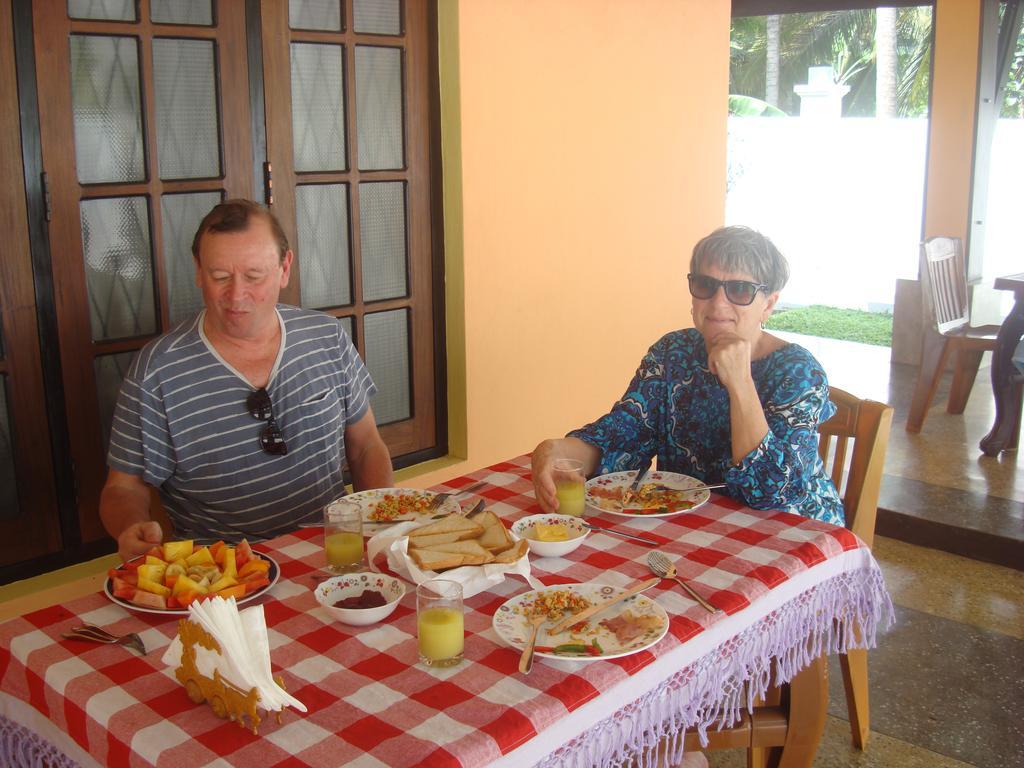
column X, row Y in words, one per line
column 944, row 296
column 852, row 445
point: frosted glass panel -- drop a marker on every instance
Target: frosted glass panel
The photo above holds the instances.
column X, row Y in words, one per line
column 315, row 14
column 186, row 109
column 382, row 235
column 318, row 107
column 110, row 372
column 8, row 488
column 387, row 359
column 108, row 10
column 322, row 213
column 379, row 107
column 181, row 217
column 182, row 12
column 380, row 17
column 118, row 267
column 105, row 100
column 346, row 323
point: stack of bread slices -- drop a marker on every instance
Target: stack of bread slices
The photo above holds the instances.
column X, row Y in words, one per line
column 456, row 540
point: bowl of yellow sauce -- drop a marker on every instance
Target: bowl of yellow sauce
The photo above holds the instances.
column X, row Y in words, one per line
column 551, row 535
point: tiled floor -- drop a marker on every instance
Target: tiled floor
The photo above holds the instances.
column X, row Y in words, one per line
column 947, row 682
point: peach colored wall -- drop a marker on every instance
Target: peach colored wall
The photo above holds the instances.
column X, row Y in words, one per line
column 952, row 112
column 588, row 153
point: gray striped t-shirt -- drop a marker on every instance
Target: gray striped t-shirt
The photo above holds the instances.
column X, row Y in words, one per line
column 182, row 424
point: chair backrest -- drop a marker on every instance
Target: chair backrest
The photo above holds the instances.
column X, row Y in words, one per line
column 856, row 469
column 944, row 282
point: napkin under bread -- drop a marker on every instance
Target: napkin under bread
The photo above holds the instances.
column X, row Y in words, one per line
column 473, row 578
column 244, row 659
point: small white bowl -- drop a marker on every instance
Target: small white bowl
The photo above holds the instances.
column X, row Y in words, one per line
column 523, row 528
column 337, row 588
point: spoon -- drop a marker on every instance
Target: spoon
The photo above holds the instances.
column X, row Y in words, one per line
column 526, row 660
column 660, row 565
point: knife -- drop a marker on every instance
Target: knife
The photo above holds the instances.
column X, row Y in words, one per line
column 613, row 532
column 631, row 491
column 586, row 613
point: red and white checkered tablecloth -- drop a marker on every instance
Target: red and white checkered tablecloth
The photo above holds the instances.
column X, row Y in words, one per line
column 786, row 583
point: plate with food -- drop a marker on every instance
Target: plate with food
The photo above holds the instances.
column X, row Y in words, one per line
column 633, row 625
column 386, row 505
column 661, row 494
column 170, row 576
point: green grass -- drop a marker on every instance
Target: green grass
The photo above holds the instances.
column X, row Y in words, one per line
column 834, row 323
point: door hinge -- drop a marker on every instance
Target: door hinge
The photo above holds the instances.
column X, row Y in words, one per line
column 268, row 184
column 47, row 202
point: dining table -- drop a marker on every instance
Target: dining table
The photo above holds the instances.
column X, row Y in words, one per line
column 1007, row 382
column 789, row 590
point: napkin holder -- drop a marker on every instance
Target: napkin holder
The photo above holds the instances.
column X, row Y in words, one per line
column 225, row 698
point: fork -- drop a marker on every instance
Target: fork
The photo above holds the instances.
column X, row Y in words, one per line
column 441, row 498
column 662, row 566
column 526, row 660
column 89, row 632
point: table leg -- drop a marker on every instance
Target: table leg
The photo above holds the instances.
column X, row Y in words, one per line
column 1006, row 385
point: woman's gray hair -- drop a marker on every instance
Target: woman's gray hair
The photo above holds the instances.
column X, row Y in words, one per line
column 742, row 249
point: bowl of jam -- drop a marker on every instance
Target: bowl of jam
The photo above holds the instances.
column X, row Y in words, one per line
column 360, row 598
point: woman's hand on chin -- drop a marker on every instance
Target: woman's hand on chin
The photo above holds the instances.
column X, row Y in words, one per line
column 729, row 358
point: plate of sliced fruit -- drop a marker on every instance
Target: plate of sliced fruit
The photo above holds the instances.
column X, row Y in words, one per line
column 170, row 576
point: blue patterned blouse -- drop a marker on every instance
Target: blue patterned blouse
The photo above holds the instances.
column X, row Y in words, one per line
column 677, row 410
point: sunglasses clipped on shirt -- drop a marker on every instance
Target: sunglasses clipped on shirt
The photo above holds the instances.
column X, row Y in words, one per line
column 260, row 407
column 738, row 292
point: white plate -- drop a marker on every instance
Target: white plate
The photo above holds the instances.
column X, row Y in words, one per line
column 617, row 482
column 369, row 500
column 510, row 623
column 273, row 574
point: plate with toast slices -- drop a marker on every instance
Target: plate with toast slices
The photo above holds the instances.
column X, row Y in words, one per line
column 455, row 541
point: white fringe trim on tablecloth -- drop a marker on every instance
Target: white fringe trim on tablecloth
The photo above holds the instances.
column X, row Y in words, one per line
column 842, row 613
column 22, row 748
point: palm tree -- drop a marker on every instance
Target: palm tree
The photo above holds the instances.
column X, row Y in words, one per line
column 885, row 62
column 771, row 60
column 844, row 39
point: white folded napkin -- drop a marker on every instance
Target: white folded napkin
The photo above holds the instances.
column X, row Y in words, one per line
column 473, row 578
column 244, row 658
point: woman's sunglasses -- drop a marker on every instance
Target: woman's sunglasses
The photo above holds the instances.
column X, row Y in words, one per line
column 260, row 407
column 739, row 292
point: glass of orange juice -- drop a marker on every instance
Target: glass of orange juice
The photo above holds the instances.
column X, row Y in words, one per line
column 343, row 536
column 569, row 486
column 439, row 622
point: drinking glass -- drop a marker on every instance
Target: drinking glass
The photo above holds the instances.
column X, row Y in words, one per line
column 569, row 486
column 439, row 622
column 343, row 536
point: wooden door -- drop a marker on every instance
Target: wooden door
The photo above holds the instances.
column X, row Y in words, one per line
column 145, row 125
column 29, row 521
column 347, row 92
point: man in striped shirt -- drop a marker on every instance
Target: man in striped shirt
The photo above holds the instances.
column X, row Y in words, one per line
column 245, row 415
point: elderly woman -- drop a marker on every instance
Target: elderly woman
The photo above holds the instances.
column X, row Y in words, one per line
column 724, row 401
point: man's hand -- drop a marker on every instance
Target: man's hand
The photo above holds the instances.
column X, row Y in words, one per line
column 124, row 510
column 729, row 360
column 138, row 539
